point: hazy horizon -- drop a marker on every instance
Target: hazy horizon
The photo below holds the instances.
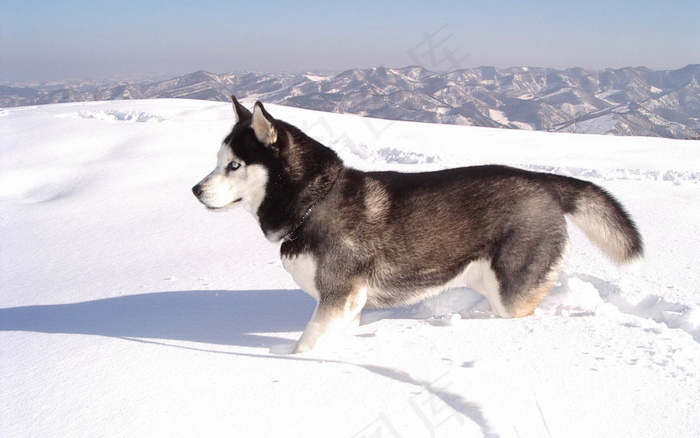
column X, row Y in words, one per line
column 142, row 78
column 46, row 41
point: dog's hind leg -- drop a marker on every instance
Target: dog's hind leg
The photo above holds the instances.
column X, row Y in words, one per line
column 523, row 298
column 528, row 301
column 480, row 277
column 334, row 313
column 530, row 254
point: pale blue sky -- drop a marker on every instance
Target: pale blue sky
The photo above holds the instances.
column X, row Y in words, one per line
column 44, row 40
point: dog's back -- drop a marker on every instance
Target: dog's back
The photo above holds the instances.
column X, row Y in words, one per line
column 411, row 235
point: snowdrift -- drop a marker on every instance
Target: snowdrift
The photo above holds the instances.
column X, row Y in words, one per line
column 126, row 309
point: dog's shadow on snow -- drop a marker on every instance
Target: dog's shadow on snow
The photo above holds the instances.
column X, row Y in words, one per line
column 248, row 318
column 244, row 318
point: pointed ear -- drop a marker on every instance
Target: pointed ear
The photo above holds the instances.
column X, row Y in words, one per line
column 240, row 111
column 263, row 125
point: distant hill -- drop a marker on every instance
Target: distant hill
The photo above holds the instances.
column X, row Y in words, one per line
column 629, row 101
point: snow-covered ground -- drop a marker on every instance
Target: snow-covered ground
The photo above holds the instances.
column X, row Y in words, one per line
column 128, row 310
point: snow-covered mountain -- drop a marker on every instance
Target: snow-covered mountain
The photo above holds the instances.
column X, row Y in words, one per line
column 128, row 310
column 629, row 101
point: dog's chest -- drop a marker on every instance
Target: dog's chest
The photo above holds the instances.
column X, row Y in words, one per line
column 302, row 267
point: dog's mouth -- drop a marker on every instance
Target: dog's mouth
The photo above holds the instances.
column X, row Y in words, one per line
column 232, row 204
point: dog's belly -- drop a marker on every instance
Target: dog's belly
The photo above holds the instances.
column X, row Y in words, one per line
column 478, row 276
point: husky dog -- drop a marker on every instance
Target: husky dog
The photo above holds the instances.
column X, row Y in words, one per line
column 355, row 239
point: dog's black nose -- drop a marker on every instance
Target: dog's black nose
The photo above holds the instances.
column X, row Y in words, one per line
column 197, row 190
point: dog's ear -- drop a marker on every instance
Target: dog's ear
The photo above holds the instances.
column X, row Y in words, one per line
column 263, row 125
column 241, row 113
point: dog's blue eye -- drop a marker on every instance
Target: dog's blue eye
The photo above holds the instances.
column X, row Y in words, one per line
column 234, row 165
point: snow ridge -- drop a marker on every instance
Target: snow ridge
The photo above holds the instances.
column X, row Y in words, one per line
column 122, row 116
column 617, row 174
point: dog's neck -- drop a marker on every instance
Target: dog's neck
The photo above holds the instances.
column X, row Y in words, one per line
column 290, row 235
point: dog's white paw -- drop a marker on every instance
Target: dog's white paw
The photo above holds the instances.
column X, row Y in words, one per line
column 283, row 349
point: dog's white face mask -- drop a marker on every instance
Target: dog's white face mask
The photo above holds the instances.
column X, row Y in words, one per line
column 232, row 183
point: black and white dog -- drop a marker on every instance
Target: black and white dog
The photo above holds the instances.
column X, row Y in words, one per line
column 355, row 239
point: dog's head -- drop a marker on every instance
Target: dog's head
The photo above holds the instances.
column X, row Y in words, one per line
column 271, row 168
column 243, row 162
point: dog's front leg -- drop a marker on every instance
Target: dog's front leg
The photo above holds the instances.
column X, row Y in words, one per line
column 333, row 315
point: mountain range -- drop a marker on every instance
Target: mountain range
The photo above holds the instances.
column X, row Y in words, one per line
column 629, row 101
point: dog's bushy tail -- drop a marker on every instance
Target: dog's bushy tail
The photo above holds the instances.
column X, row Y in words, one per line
column 602, row 218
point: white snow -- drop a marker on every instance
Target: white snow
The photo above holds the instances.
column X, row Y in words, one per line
column 316, row 78
column 127, row 310
column 556, row 93
column 522, row 125
column 499, row 116
column 502, row 118
column 598, row 125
